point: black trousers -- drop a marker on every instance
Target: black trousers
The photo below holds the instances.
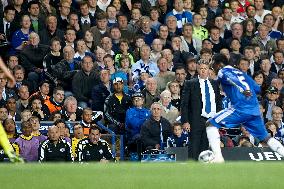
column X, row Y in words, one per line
column 198, row 141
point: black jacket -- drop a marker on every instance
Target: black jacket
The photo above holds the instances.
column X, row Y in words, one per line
column 87, row 151
column 82, row 85
column 99, row 95
column 115, row 111
column 191, row 102
column 60, row 152
column 151, row 129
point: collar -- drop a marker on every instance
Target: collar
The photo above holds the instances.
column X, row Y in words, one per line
column 26, row 138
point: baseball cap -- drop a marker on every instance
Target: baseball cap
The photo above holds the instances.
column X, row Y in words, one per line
column 137, row 94
column 272, row 89
column 117, row 79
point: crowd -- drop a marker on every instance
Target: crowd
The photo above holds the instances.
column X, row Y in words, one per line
column 145, row 64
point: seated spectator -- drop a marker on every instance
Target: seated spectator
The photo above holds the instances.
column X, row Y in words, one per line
column 84, row 81
column 146, row 30
column 100, row 30
column 70, row 110
column 154, row 16
column 94, row 148
column 277, row 116
column 199, row 31
column 27, row 145
column 169, row 112
column 19, row 74
column 235, row 54
column 101, row 91
column 26, row 114
column 89, row 40
column 65, row 70
column 106, row 44
column 151, row 92
column 178, row 138
column 43, row 92
column 174, row 88
column 5, row 92
column 245, row 134
column 20, row 37
column 271, row 127
column 265, row 67
column 55, row 116
column 55, row 103
column 156, row 129
column 55, row 149
column 157, row 48
column 3, row 113
column 35, row 122
column 87, row 120
column 271, row 100
column 12, row 109
column 33, row 64
column 144, row 63
column 82, row 51
column 164, row 76
column 38, row 108
column 123, row 70
column 51, row 30
column 123, row 50
column 191, row 65
column 116, row 105
column 23, row 101
column 9, row 126
column 134, row 119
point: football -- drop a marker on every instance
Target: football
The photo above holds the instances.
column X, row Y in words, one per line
column 206, row 156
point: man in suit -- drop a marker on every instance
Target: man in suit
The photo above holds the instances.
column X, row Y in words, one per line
column 200, row 100
column 5, row 29
column 86, row 20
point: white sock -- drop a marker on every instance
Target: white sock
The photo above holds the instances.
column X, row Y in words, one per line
column 214, row 140
column 276, row 146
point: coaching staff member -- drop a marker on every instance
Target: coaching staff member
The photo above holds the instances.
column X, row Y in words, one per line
column 54, row 148
column 200, row 100
column 94, row 148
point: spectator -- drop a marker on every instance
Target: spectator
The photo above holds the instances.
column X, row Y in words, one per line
column 69, row 38
column 89, row 40
column 38, row 108
column 70, row 110
column 94, row 148
column 106, row 44
column 244, row 133
column 86, row 20
column 188, row 42
column 50, row 31
column 3, row 113
column 260, row 11
column 265, row 68
column 55, row 103
column 55, row 149
column 134, row 119
column 87, row 120
column 64, row 11
column 5, row 25
column 82, row 51
column 169, row 111
column 101, row 91
column 278, row 56
column 180, row 75
column 144, row 64
column 277, row 116
column 151, row 92
column 249, row 54
column 156, row 129
column 20, row 37
column 179, row 138
column 116, row 105
column 23, row 101
column 164, row 76
column 174, row 88
column 101, row 30
column 94, row 9
column 11, row 107
column 84, row 81
column 10, row 127
column 271, row 100
column 157, row 47
column 43, row 92
column 199, row 31
column 126, row 32
column 111, row 14
column 26, row 114
column 33, row 64
column 36, row 21
column 181, row 15
column 66, row 69
column 35, row 122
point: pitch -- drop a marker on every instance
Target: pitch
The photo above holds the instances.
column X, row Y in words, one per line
column 142, row 175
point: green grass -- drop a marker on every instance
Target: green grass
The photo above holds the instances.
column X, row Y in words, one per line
column 189, row 175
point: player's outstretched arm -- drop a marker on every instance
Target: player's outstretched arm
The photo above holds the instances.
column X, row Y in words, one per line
column 8, row 74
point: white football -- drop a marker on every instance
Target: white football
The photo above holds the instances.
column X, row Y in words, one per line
column 206, row 156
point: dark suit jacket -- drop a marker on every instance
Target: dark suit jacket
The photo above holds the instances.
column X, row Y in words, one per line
column 191, row 102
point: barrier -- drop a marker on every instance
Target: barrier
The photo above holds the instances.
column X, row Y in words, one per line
column 250, row 154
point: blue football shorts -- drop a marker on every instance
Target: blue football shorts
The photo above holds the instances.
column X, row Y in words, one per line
column 231, row 117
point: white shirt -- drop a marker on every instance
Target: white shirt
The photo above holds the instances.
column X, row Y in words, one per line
column 87, row 18
column 203, row 97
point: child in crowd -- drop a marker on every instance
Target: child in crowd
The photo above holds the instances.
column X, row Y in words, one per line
column 124, row 50
column 154, row 16
column 178, row 139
